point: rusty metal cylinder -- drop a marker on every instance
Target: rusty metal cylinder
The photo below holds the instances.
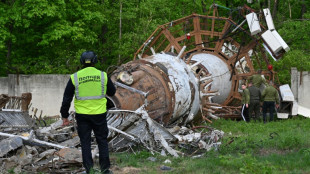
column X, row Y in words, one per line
column 171, row 87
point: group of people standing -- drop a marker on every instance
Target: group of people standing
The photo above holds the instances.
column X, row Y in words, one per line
column 252, row 98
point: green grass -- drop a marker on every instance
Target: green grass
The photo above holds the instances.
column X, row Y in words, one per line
column 276, row 147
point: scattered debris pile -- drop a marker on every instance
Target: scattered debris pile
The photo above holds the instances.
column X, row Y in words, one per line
column 26, row 146
column 41, row 149
column 131, row 128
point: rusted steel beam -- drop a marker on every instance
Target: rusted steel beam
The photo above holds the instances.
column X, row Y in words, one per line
column 26, row 99
column 197, row 35
column 172, row 40
column 223, row 34
column 4, row 99
column 213, row 22
column 137, row 52
column 155, row 38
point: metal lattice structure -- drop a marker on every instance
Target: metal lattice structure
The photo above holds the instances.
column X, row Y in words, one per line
column 221, row 37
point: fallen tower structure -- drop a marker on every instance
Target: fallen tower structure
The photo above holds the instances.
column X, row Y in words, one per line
column 194, row 67
column 186, row 72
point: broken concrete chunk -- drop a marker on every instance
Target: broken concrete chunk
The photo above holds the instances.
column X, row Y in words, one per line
column 70, row 154
column 153, row 159
column 47, row 153
column 26, row 155
column 165, row 167
column 56, row 125
column 71, row 142
column 25, row 160
column 9, row 144
column 18, row 169
column 163, row 153
column 174, row 130
column 31, row 150
column 167, row 161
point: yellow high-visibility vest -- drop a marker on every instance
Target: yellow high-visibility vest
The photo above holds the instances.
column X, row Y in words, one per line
column 90, row 90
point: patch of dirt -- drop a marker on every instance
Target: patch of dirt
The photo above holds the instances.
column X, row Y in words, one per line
column 125, row 170
column 265, row 152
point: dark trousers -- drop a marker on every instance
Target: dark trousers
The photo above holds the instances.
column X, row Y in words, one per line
column 245, row 113
column 97, row 123
column 254, row 106
column 268, row 105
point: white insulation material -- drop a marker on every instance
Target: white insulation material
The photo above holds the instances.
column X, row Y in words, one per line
column 183, row 82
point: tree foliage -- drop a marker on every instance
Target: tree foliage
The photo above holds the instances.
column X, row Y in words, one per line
column 41, row 36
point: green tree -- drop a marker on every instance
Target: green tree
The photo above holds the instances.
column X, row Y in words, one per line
column 41, row 36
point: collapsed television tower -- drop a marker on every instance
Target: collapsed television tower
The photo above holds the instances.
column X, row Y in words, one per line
column 193, row 66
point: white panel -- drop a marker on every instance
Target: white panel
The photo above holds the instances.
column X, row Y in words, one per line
column 294, row 108
column 282, row 115
column 286, row 93
column 271, row 41
column 253, row 23
column 281, row 41
column 268, row 18
column 304, row 111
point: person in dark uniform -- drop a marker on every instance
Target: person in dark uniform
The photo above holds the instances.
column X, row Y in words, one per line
column 270, row 97
column 255, row 98
column 89, row 86
column 245, row 103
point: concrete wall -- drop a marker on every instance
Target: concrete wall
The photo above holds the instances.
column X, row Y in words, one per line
column 4, row 85
column 47, row 90
column 300, row 85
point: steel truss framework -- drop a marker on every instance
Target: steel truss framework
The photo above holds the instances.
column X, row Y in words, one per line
column 219, row 36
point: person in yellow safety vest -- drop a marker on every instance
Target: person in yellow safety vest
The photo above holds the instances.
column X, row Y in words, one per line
column 89, row 86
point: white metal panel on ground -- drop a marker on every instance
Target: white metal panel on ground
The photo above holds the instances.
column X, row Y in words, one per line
column 282, row 115
column 253, row 23
column 268, row 18
column 286, row 93
column 272, row 41
column 280, row 40
column 304, row 111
